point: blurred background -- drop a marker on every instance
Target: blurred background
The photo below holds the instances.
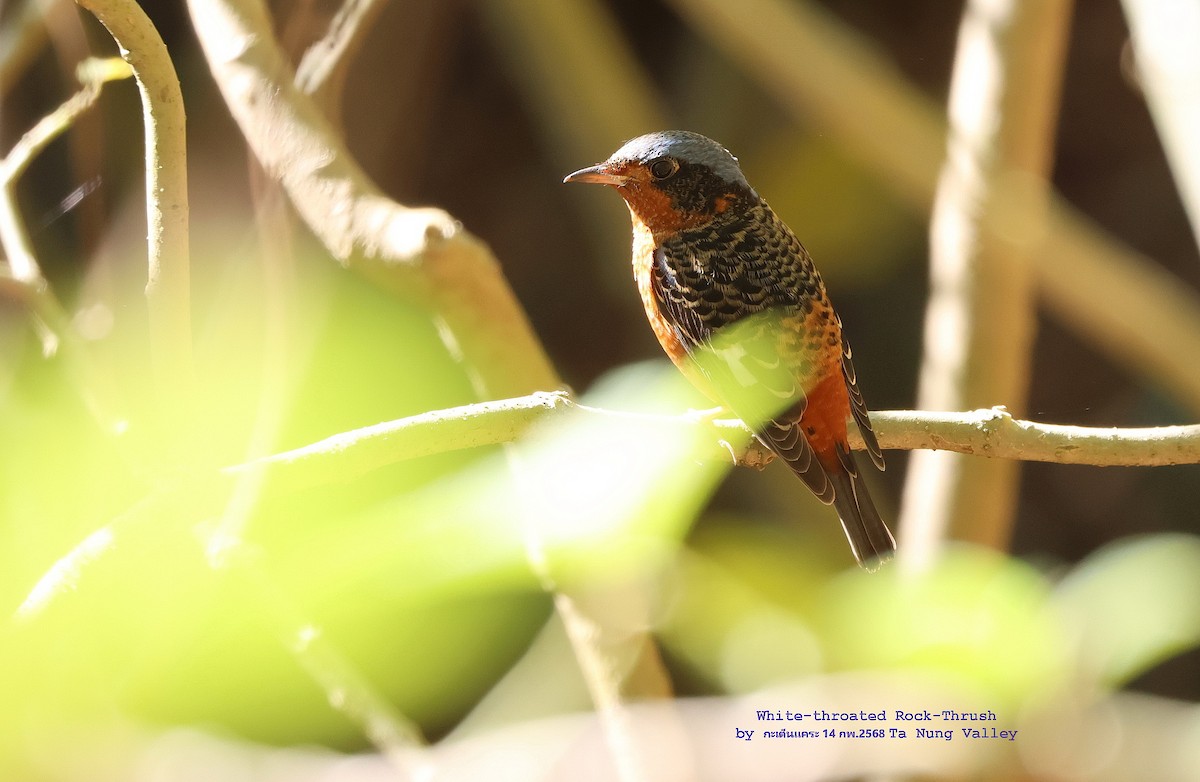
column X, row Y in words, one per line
column 456, row 104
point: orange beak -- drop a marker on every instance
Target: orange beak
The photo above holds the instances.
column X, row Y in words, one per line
column 598, row 175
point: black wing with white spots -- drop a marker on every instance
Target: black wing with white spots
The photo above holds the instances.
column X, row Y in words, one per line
column 752, row 274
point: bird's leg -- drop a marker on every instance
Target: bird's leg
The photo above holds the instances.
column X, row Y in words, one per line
column 753, row 454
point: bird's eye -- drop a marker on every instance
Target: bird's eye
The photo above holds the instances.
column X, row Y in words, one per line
column 663, row 168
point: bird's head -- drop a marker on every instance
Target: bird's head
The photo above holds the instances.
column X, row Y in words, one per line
column 673, row 179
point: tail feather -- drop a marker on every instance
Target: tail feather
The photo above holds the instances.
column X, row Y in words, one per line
column 869, row 537
column 833, row 476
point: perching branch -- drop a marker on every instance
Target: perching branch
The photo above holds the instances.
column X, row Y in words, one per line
column 345, row 456
column 992, row 432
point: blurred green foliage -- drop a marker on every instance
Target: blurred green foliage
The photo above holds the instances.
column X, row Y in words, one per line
column 419, row 573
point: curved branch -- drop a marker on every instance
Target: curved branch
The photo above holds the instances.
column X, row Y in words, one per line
column 168, row 295
column 93, row 74
column 21, row 277
column 424, row 255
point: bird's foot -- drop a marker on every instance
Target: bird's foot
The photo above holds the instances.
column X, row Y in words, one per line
column 753, row 454
column 756, row 455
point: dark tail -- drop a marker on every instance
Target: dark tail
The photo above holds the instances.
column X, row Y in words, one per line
column 870, row 539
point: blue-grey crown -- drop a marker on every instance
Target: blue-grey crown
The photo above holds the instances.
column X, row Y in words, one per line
column 686, row 147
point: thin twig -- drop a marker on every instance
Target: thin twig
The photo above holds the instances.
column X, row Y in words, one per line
column 991, row 432
column 994, row 433
column 23, row 272
column 357, row 452
column 93, row 74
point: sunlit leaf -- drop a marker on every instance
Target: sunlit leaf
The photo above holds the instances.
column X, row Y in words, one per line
column 1132, row 605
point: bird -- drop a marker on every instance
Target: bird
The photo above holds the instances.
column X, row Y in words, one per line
column 738, row 305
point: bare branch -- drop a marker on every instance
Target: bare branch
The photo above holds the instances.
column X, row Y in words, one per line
column 995, row 433
column 424, row 255
column 981, row 317
column 21, row 260
column 357, row 452
column 93, row 73
column 23, row 278
column 992, row 432
column 345, row 456
column 21, row 37
column 168, row 286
